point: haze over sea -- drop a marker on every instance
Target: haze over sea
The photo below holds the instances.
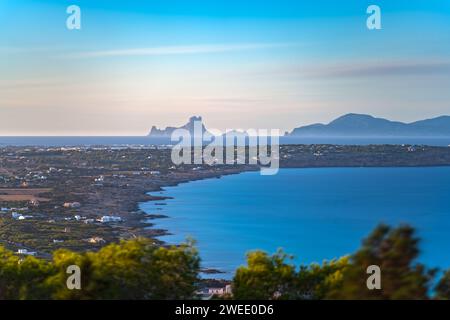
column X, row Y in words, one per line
column 60, row 141
column 315, row 214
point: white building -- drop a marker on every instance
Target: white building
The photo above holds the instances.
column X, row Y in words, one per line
column 72, row 205
column 106, row 219
column 96, row 240
column 100, row 179
column 26, row 252
column 17, row 216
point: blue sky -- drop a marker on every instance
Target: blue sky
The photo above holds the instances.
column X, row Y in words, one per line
column 240, row 64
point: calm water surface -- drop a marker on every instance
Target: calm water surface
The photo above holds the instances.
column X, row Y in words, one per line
column 314, row 214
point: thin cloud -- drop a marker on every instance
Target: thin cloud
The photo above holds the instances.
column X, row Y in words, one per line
column 388, row 69
column 362, row 69
column 177, row 50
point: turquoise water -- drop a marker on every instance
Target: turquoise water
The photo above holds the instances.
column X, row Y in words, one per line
column 314, row 214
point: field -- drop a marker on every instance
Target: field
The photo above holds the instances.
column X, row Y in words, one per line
column 23, row 194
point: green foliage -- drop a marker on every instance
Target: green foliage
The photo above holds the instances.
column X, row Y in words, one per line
column 134, row 269
column 315, row 281
column 443, row 287
column 138, row 269
column 265, row 277
column 23, row 278
column 272, row 277
column 394, row 251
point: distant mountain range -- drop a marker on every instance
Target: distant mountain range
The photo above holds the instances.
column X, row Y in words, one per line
column 362, row 125
column 349, row 125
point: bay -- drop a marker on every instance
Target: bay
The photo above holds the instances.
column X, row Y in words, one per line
column 314, row 214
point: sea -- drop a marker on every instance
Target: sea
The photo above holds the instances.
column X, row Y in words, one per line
column 314, row 214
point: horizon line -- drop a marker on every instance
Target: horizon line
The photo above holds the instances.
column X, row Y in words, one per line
column 283, row 132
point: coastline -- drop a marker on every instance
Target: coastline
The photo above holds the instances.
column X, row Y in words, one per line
column 153, row 216
column 164, row 232
column 111, row 181
column 195, row 219
column 209, row 272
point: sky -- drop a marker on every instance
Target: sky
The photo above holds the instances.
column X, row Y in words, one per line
column 267, row 64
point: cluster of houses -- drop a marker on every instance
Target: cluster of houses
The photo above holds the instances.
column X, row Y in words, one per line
column 17, row 213
column 25, row 252
column 99, row 181
column 72, row 205
column 18, row 216
column 102, row 219
column 107, row 219
column 35, row 176
column 95, row 240
column 4, row 210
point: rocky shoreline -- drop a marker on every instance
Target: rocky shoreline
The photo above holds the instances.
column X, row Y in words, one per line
column 141, row 219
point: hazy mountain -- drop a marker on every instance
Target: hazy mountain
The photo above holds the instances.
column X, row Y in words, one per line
column 357, row 125
column 167, row 132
